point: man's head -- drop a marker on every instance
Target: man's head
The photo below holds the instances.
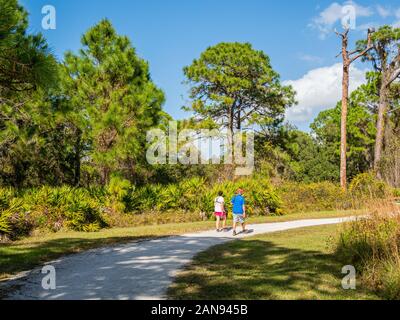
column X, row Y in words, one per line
column 240, row 191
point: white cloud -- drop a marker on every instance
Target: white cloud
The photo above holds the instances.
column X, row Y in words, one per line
column 327, row 18
column 311, row 58
column 364, row 27
column 320, row 89
column 383, row 11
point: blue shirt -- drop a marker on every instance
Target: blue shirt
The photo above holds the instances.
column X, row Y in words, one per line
column 238, row 203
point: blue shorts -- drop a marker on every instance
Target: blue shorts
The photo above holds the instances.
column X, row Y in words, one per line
column 238, row 218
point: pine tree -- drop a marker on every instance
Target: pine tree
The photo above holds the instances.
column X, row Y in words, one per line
column 112, row 85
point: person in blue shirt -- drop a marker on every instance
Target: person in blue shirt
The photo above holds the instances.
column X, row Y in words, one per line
column 239, row 211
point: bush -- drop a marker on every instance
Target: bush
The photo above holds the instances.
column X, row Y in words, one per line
column 14, row 221
column 120, row 203
column 6, row 195
column 372, row 246
column 319, row 196
column 365, row 185
column 64, row 207
column 195, row 195
column 118, row 191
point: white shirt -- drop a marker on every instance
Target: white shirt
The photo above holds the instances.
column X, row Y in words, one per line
column 219, row 204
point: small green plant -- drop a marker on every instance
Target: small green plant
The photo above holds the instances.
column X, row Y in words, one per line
column 118, row 191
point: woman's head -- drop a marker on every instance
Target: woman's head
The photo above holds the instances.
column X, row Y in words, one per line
column 220, row 193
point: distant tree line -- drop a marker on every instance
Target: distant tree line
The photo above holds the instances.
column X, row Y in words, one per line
column 83, row 121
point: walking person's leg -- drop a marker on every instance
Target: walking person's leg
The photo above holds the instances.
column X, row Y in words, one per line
column 234, row 225
column 244, row 226
column 217, row 223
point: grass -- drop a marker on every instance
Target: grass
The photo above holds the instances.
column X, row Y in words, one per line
column 295, row 264
column 35, row 250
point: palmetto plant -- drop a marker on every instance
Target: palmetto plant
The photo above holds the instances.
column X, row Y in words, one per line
column 6, row 195
column 170, row 197
column 89, row 209
column 73, row 208
column 192, row 190
column 4, row 221
column 12, row 219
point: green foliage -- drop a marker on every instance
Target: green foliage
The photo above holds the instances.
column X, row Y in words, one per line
column 13, row 218
column 26, row 61
column 235, row 78
column 28, row 70
column 295, row 155
column 118, row 191
column 361, row 132
column 385, row 40
column 118, row 98
column 71, row 208
column 198, row 196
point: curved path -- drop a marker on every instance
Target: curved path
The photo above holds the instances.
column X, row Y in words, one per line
column 138, row 270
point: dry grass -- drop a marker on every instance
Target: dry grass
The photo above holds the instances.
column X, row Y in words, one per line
column 372, row 245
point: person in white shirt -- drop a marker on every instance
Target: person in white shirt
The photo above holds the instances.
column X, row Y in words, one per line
column 219, row 211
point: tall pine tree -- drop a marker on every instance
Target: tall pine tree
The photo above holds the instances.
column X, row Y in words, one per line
column 111, row 85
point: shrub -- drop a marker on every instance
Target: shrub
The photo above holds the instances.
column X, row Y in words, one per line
column 5, row 215
column 195, row 195
column 320, row 196
column 372, row 246
column 192, row 188
column 365, row 185
column 118, row 194
column 64, row 207
column 6, row 195
column 145, row 198
column 14, row 221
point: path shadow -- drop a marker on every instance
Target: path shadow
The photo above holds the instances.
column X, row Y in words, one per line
column 140, row 270
column 257, row 270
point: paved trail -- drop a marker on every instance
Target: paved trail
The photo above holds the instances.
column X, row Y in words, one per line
column 138, row 270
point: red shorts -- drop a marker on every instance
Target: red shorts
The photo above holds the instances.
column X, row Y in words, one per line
column 220, row 214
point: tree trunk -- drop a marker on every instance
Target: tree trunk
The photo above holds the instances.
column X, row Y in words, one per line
column 239, row 121
column 343, row 125
column 77, row 159
column 104, row 175
column 343, row 122
column 231, row 131
column 380, row 126
column 347, row 60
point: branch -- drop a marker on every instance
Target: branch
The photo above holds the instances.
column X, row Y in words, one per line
column 360, row 54
column 364, row 52
column 344, row 34
column 395, row 75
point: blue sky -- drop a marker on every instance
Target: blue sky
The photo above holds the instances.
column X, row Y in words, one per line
column 297, row 35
